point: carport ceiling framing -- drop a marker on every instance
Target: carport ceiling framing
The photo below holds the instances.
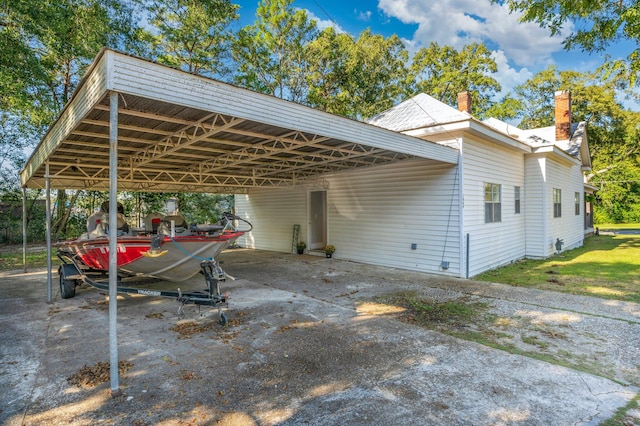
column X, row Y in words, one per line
column 180, row 132
column 165, row 147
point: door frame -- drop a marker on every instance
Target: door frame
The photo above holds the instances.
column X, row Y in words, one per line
column 317, row 219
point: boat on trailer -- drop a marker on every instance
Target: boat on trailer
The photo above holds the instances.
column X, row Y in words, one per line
column 165, row 249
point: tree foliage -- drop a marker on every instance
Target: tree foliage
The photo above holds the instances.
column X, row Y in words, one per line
column 193, row 35
column 598, row 24
column 16, row 136
column 48, row 47
column 443, row 72
column 359, row 77
column 271, row 53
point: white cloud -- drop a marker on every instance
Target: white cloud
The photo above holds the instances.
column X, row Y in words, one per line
column 508, row 77
column 324, row 23
column 362, row 15
column 460, row 22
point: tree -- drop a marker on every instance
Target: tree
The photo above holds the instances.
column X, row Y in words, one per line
column 192, row 35
column 327, row 77
column 599, row 23
column 15, row 137
column 48, row 47
column 443, row 72
column 593, row 100
column 271, row 53
column 356, row 78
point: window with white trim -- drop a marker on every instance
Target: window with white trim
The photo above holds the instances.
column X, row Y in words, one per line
column 557, row 202
column 492, row 203
column 516, row 197
column 576, row 202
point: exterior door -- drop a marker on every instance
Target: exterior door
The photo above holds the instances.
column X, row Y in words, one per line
column 317, row 219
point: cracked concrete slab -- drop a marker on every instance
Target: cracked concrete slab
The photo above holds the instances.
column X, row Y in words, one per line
column 306, row 344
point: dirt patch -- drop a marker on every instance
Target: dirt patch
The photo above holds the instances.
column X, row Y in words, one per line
column 433, row 314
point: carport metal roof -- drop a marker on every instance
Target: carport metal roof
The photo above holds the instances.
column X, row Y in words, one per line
column 182, row 132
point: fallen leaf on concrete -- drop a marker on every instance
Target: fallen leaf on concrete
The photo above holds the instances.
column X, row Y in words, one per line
column 90, row 376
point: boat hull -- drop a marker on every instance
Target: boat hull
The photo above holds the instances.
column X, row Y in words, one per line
column 177, row 259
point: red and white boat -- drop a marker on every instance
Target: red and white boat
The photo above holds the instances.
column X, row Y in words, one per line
column 167, row 250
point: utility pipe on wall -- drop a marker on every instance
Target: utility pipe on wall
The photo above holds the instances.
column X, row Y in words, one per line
column 467, row 256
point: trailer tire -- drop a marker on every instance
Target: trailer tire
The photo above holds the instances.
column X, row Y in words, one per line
column 67, row 287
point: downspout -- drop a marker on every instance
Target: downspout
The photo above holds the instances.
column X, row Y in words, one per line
column 462, row 255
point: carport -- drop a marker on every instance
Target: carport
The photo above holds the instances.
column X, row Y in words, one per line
column 133, row 125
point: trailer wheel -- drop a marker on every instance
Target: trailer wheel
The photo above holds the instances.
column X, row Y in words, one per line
column 67, row 287
column 223, row 320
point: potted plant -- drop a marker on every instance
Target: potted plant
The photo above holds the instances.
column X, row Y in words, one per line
column 301, row 246
column 329, row 249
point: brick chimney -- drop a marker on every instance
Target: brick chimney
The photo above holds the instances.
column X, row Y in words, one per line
column 464, row 101
column 563, row 115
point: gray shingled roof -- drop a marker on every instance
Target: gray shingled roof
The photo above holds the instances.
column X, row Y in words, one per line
column 417, row 112
column 543, row 136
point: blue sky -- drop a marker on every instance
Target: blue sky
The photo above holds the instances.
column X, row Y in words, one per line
column 520, row 49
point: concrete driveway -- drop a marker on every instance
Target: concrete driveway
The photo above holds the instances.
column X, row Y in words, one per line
column 307, row 343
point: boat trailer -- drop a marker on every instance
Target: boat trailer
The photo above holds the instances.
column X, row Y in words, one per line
column 71, row 276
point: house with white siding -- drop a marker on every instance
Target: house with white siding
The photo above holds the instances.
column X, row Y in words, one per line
column 513, row 194
column 421, row 186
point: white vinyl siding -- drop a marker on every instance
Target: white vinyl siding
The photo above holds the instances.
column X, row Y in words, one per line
column 491, row 244
column 273, row 212
column 374, row 216
column 535, row 205
column 569, row 227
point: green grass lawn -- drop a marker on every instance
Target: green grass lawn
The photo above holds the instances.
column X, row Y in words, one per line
column 607, row 266
column 13, row 259
column 614, row 226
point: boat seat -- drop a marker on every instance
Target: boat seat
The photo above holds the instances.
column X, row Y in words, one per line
column 152, row 222
column 93, row 221
column 180, row 224
column 99, row 232
column 123, row 226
